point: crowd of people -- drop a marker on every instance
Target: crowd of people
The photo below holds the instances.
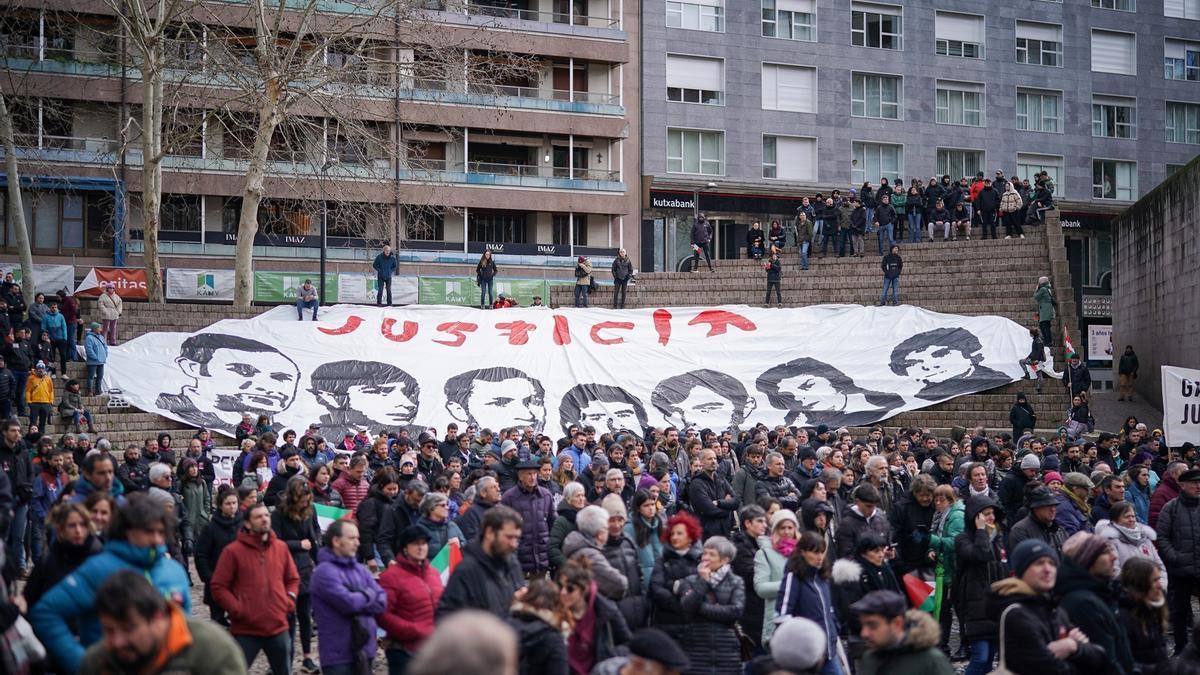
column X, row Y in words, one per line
column 766, row 550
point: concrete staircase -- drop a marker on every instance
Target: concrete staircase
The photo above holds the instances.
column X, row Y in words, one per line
column 130, row 425
column 975, row 277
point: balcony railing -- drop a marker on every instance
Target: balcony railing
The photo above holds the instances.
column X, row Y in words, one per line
column 514, row 96
column 507, row 12
column 523, row 175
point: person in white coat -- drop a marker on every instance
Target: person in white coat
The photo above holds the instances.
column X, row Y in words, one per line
column 110, row 311
column 1130, row 539
column 770, row 564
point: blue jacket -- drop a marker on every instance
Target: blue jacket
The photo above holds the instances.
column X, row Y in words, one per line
column 45, row 494
column 1069, row 517
column 344, row 591
column 1141, row 503
column 385, row 265
column 56, row 325
column 96, row 349
column 84, row 488
column 811, row 598
column 72, row 602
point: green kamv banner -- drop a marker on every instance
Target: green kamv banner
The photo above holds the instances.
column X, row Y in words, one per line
column 283, row 287
column 464, row 291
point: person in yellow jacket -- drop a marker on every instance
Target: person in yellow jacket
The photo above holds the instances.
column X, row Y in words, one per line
column 39, row 394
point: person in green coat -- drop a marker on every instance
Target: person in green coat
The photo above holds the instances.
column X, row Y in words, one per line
column 899, row 642
column 1047, row 308
column 196, row 492
column 770, row 565
column 948, row 523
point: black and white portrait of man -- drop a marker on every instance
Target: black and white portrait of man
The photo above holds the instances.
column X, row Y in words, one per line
column 496, row 398
column 947, row 361
column 603, row 406
column 230, row 375
column 814, row 392
column 702, row 398
column 365, row 396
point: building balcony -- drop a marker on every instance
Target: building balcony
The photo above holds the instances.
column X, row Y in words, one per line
column 66, row 150
column 530, row 98
column 514, row 175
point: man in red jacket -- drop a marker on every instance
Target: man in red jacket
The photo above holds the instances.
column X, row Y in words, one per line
column 1168, row 489
column 256, row 583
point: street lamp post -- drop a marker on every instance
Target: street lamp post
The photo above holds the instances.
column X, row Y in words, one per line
column 329, row 163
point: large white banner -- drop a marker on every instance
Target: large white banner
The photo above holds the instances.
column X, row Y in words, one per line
column 183, row 284
column 1181, row 405
column 379, row 368
column 47, row 279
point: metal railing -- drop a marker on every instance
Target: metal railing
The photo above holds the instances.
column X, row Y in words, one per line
column 441, row 166
column 523, row 14
column 517, row 91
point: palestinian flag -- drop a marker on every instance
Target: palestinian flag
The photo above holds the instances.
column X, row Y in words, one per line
column 327, row 514
column 1068, row 348
column 447, row 559
column 922, row 594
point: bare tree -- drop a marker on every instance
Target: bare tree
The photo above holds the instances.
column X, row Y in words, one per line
column 16, row 208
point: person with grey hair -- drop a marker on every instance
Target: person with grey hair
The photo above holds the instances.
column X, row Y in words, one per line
column 435, row 517
column 615, row 484
column 574, row 498
column 493, row 647
column 588, row 541
column 487, row 495
column 713, row 599
column 879, row 474
column 104, row 445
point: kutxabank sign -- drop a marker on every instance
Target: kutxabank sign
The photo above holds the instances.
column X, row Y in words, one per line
column 375, row 368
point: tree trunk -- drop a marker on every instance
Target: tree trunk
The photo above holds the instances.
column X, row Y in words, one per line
column 16, row 208
column 152, row 157
column 268, row 119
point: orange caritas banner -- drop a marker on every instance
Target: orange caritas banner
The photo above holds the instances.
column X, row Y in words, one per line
column 130, row 282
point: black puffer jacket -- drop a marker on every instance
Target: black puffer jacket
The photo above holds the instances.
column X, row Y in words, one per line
column 220, row 532
column 853, row 525
column 1178, row 530
column 979, row 563
column 670, row 568
column 711, row 641
column 1035, row 622
column 292, row 533
column 713, row 501
column 370, row 515
column 781, row 488
column 622, row 553
column 481, row 582
column 62, row 559
column 541, row 646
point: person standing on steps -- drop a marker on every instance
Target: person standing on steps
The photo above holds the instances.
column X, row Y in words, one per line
column 485, row 277
column 831, row 219
column 110, row 312
column 885, row 221
column 96, row 351
column 1046, row 309
column 1127, row 370
column 804, row 235
column 1010, row 211
column 385, row 266
column 622, row 273
column 891, row 265
column 584, row 281
column 701, row 235
column 774, row 275
column 987, row 202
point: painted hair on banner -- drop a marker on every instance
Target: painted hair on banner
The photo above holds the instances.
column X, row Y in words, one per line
column 371, row 369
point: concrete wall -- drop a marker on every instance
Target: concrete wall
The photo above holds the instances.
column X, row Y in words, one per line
column 1156, row 282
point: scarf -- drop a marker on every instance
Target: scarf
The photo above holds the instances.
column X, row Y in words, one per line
column 718, row 575
column 785, row 547
column 1084, row 507
column 1134, row 536
column 984, row 493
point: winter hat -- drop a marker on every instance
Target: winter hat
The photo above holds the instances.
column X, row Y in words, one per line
column 41, row 365
column 1051, row 463
column 807, row 452
column 161, row 497
column 1052, row 476
column 798, row 645
column 506, row 446
column 1031, row 461
column 1083, row 548
column 781, row 516
column 654, row 645
column 614, row 505
column 1028, row 552
column 94, row 325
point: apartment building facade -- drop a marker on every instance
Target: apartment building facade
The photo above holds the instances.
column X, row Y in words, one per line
column 748, row 107
column 535, row 165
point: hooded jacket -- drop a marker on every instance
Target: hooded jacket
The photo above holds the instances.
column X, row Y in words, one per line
column 1035, row 621
column 1091, row 604
column 611, row 582
column 915, row 654
column 345, row 594
column 256, row 583
column 483, row 582
column 980, row 561
column 69, row 608
column 852, row 579
column 413, row 591
column 1022, row 416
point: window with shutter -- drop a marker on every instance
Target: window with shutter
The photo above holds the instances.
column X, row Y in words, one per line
column 1114, row 52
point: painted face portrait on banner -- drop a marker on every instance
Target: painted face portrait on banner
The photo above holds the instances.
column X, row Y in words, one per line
column 371, row 369
column 231, row 375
